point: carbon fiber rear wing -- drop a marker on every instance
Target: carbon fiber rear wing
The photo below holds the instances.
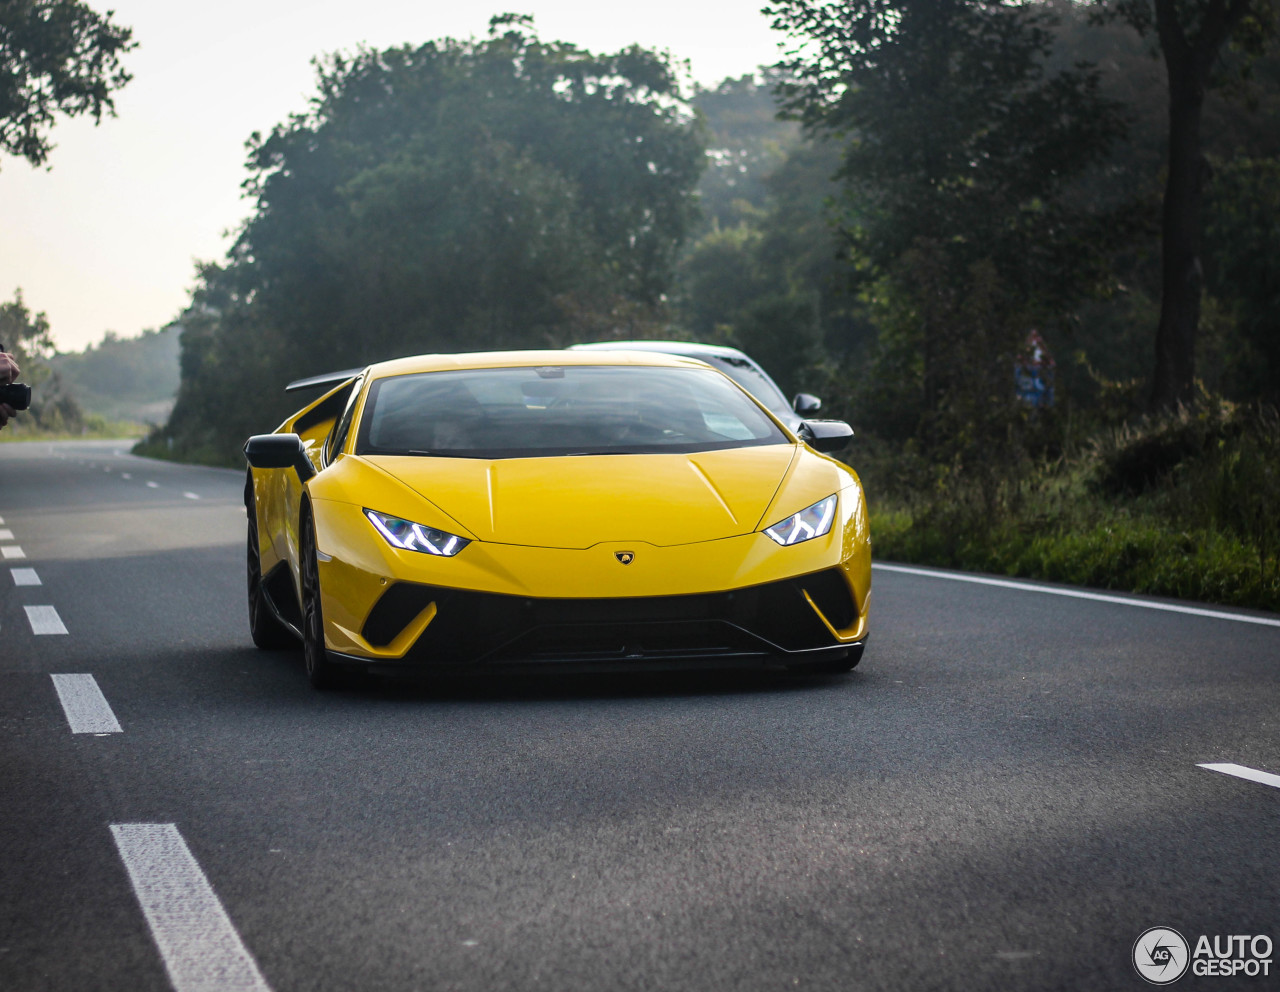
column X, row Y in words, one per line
column 326, row 381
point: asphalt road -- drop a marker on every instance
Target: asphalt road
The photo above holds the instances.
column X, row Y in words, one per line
column 1004, row 795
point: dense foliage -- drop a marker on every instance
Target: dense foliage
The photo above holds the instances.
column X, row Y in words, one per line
column 959, row 148
column 125, row 380
column 935, row 269
column 459, row 195
column 884, row 219
column 56, row 57
column 1191, row 35
column 1181, row 504
column 746, row 142
column 26, row 336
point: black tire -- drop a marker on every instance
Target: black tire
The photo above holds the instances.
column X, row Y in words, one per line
column 264, row 627
column 322, row 673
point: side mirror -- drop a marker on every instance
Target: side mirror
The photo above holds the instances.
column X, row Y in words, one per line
column 806, row 404
column 825, row 435
column 279, row 451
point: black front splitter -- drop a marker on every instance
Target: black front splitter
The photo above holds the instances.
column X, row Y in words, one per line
column 745, row 661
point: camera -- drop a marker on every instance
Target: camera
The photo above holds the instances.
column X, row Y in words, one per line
column 16, row 394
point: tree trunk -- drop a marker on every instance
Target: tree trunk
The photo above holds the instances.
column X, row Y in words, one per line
column 1189, row 59
column 1182, row 274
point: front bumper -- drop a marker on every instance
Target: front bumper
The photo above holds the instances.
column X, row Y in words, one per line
column 740, row 600
column 800, row 619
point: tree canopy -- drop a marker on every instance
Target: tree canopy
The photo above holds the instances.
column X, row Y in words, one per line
column 746, row 141
column 946, row 176
column 458, row 195
column 961, row 145
column 27, row 336
column 1191, row 36
column 56, row 57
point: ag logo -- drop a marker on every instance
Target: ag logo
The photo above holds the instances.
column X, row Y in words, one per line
column 1161, row 955
column 625, row 557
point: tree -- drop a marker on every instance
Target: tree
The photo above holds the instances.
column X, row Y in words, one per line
column 124, row 378
column 466, row 194
column 24, row 334
column 1243, row 236
column 746, row 142
column 56, row 57
column 27, row 337
column 1191, row 35
column 772, row 283
column 454, row 196
column 960, row 147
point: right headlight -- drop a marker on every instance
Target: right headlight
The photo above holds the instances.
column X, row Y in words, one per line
column 408, row 536
column 812, row 521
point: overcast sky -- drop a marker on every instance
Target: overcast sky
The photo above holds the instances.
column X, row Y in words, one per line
column 105, row 239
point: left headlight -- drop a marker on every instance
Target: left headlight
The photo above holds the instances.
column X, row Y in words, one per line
column 812, row 521
column 408, row 536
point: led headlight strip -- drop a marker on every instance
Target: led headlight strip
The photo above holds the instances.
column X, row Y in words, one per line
column 408, row 536
column 812, row 521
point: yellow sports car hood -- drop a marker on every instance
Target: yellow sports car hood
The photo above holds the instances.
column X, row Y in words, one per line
column 583, row 500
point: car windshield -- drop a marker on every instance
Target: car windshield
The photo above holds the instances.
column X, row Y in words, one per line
column 560, row 410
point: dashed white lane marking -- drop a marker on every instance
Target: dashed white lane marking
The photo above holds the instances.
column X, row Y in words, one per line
column 153, row 485
column 1078, row 594
column 6, row 535
column 84, row 704
column 24, row 577
column 1240, row 771
column 191, row 495
column 12, row 551
column 45, row 620
column 201, row 950
column 1, row 520
column 125, row 475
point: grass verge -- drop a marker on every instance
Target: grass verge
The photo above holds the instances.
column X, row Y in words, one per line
column 99, row 430
column 1120, row 551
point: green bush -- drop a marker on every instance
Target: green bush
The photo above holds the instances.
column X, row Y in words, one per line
column 1181, row 506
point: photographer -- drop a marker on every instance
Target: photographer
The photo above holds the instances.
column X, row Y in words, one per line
column 8, row 372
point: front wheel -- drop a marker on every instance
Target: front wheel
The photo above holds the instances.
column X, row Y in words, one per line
column 321, row 672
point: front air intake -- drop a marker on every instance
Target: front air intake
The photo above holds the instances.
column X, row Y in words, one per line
column 395, row 610
column 830, row 594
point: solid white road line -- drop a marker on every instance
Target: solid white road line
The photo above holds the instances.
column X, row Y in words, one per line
column 45, row 620
column 191, row 495
column 201, row 950
column 1078, row 594
column 12, row 551
column 6, row 535
column 1240, row 771
column 86, row 707
column 24, row 577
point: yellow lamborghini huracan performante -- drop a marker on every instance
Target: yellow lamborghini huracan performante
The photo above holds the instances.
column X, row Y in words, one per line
column 563, row 510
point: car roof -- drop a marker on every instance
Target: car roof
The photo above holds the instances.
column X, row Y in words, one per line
column 526, row 359
column 766, row 390
column 691, row 349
